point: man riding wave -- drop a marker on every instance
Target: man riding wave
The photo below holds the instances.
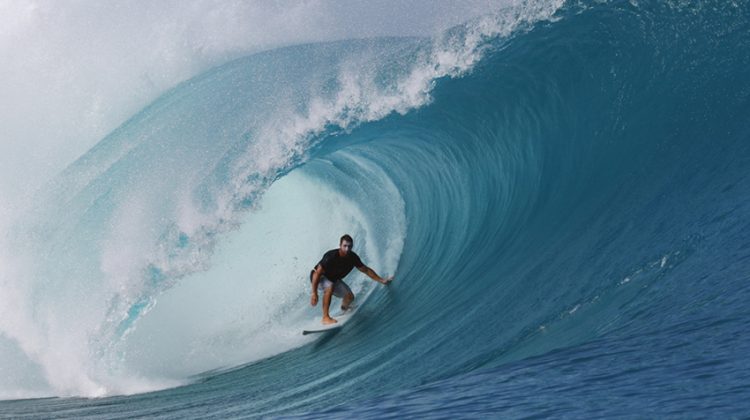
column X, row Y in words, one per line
column 329, row 273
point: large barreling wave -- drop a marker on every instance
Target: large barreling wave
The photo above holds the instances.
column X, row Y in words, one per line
column 548, row 176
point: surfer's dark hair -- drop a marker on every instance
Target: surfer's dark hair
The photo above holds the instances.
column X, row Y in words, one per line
column 347, row 238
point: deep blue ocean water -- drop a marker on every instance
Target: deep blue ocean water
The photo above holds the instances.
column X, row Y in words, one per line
column 562, row 195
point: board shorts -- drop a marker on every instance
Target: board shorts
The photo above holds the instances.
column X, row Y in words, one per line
column 340, row 289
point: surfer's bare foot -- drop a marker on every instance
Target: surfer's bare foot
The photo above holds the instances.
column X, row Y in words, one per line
column 329, row 320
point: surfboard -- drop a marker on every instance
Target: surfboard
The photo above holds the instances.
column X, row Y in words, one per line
column 316, row 327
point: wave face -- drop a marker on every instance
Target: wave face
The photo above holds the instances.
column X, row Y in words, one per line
column 561, row 192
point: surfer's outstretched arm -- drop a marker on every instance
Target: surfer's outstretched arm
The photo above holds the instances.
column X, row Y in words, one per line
column 373, row 275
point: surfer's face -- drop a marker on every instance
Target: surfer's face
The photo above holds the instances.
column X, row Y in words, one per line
column 345, row 247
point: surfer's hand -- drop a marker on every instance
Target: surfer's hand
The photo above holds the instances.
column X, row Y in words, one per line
column 388, row 280
column 314, row 299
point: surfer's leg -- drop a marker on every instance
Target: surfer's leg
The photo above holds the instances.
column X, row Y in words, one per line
column 343, row 291
column 326, row 305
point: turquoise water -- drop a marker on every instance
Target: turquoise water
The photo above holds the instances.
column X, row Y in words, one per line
column 561, row 193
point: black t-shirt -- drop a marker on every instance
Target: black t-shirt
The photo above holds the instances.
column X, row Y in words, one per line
column 337, row 267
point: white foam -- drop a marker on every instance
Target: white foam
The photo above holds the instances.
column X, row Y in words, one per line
column 74, row 71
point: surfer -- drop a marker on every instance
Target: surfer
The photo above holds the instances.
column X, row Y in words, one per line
column 329, row 273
